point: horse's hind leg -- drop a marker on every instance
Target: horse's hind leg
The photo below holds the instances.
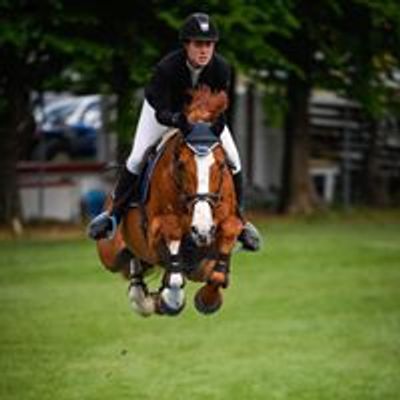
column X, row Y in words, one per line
column 141, row 300
column 114, row 254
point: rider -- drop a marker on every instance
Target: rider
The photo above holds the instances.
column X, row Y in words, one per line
column 195, row 64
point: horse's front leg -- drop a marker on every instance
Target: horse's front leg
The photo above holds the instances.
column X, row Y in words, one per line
column 226, row 240
column 208, row 299
column 171, row 299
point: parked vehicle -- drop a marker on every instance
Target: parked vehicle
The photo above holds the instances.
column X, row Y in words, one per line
column 67, row 129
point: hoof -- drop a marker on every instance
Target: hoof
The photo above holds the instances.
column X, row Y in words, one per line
column 163, row 308
column 171, row 299
column 142, row 303
column 208, row 300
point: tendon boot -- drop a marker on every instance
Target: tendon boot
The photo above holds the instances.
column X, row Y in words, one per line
column 105, row 225
column 249, row 237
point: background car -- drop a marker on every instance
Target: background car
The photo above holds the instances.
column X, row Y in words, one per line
column 67, row 129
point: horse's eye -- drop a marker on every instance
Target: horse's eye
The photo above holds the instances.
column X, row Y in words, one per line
column 180, row 169
column 180, row 165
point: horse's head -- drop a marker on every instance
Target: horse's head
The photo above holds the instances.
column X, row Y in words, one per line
column 200, row 164
column 199, row 173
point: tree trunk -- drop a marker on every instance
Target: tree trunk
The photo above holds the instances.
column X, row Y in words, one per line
column 375, row 185
column 298, row 191
column 15, row 122
column 9, row 197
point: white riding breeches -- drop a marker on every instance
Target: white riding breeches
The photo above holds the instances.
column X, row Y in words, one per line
column 149, row 131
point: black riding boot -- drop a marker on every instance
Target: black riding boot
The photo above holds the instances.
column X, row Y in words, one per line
column 249, row 237
column 126, row 191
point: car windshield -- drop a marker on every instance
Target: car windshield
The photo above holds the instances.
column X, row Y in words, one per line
column 59, row 113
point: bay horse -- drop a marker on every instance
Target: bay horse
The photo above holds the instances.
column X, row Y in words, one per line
column 189, row 222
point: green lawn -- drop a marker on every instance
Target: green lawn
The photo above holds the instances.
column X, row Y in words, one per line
column 315, row 315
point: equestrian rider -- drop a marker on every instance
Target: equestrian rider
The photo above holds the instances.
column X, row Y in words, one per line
column 196, row 63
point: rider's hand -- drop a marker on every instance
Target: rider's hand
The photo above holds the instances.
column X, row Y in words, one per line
column 218, row 125
column 180, row 121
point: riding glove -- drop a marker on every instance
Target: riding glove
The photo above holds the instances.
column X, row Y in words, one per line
column 176, row 120
column 218, row 126
column 180, row 121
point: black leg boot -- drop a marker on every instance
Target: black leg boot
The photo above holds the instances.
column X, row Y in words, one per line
column 249, row 237
column 126, row 191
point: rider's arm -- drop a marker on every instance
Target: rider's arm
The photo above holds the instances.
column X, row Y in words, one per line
column 158, row 94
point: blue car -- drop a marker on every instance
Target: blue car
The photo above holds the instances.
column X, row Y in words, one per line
column 67, row 129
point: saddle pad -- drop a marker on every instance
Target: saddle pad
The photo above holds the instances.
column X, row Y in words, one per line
column 150, row 164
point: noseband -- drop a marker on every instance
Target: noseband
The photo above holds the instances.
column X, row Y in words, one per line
column 210, row 198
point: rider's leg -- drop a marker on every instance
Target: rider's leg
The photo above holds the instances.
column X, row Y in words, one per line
column 148, row 132
column 249, row 235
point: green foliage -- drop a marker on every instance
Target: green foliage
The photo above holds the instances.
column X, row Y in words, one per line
column 369, row 44
column 349, row 46
column 244, row 27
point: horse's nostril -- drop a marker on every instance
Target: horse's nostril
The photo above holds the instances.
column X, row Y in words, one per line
column 195, row 231
column 202, row 239
column 213, row 230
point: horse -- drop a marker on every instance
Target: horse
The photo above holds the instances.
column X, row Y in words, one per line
column 188, row 224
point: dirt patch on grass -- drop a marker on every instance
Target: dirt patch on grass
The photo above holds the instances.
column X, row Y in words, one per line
column 51, row 230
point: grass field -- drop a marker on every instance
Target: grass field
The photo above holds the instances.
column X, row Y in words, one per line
column 315, row 315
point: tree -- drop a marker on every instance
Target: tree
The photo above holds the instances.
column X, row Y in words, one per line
column 37, row 42
column 303, row 48
column 372, row 40
column 280, row 37
column 340, row 45
column 110, row 48
column 47, row 45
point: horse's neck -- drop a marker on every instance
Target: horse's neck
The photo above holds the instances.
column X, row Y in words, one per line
column 163, row 180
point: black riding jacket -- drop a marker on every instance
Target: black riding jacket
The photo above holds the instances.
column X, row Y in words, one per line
column 168, row 89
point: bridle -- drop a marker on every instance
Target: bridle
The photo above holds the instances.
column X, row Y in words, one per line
column 210, row 198
column 189, row 200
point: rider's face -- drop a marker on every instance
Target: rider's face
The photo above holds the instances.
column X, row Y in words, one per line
column 199, row 52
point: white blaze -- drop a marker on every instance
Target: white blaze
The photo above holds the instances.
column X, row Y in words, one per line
column 202, row 213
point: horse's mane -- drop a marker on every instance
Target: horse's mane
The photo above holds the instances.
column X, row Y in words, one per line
column 206, row 105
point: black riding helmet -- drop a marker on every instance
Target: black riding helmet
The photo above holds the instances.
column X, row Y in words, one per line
column 198, row 26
